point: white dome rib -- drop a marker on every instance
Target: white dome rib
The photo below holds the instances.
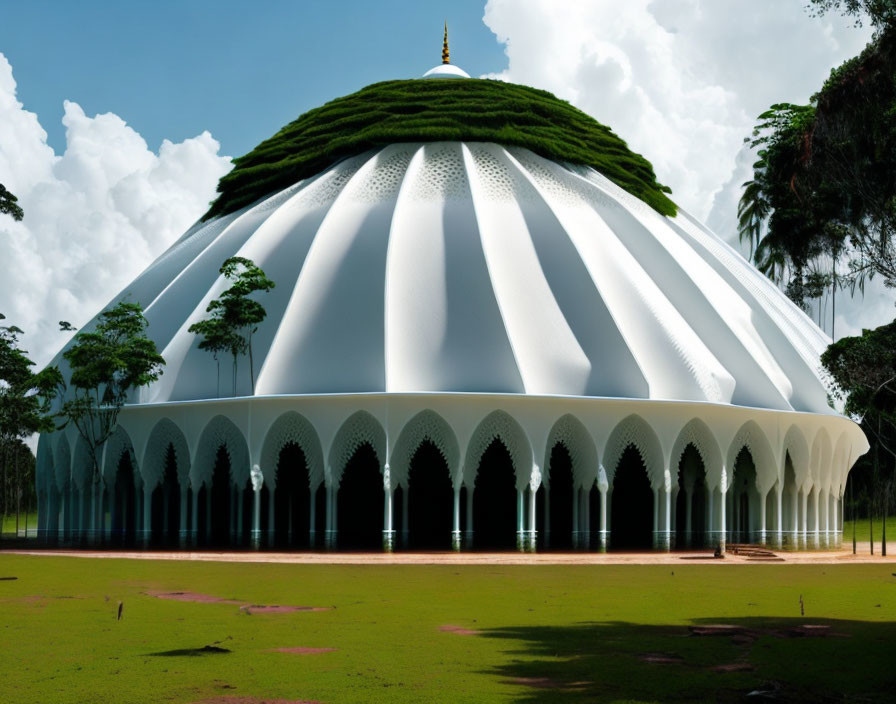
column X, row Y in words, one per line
column 468, row 267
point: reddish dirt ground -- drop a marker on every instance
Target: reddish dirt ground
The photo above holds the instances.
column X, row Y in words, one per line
column 459, row 630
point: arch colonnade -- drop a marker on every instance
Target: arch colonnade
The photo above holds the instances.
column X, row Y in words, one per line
column 443, row 471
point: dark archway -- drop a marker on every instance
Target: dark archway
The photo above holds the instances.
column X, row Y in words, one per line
column 495, row 500
column 124, row 503
column 220, row 504
column 292, row 498
column 743, row 501
column 690, row 508
column 360, row 501
column 632, row 504
column 560, row 499
column 165, row 518
column 430, row 500
column 789, row 503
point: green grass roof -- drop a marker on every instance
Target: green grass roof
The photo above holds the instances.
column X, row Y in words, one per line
column 472, row 110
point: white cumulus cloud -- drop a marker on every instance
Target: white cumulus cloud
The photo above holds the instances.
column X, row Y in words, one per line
column 682, row 81
column 95, row 216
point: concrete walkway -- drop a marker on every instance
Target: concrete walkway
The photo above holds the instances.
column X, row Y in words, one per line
column 827, row 557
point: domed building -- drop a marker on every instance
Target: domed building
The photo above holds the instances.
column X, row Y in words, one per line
column 491, row 328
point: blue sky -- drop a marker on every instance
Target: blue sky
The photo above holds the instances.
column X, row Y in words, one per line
column 240, row 70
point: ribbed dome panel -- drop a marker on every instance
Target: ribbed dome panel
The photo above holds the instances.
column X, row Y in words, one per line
column 468, row 267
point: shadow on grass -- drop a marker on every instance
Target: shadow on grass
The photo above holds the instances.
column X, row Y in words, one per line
column 725, row 660
column 191, row 652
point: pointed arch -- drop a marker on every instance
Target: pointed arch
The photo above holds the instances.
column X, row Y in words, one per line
column 165, row 433
column 292, row 427
column 426, row 425
column 219, row 432
column 634, row 430
column 572, row 434
column 797, row 448
column 697, row 433
column 358, row 429
column 116, row 446
column 502, row 426
column 751, row 437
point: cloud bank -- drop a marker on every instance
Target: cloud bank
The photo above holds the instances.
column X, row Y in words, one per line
column 682, row 81
column 95, row 216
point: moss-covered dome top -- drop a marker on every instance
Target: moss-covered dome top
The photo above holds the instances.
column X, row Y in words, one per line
column 472, row 110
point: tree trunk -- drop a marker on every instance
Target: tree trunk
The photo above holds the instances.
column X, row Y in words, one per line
column 18, row 488
column 883, row 530
column 251, row 366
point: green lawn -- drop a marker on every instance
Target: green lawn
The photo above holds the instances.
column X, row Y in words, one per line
column 9, row 523
column 863, row 531
column 587, row 631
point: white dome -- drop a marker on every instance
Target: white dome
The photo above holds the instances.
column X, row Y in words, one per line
column 446, row 71
column 470, row 267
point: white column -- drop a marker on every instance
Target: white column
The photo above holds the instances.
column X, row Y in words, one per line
column 255, row 537
column 146, row 533
column 722, row 535
column 455, row 522
column 520, row 520
column 388, row 532
column 667, row 538
column 532, row 525
column 803, row 500
column 604, row 534
column 779, row 507
column 816, row 529
column 763, row 517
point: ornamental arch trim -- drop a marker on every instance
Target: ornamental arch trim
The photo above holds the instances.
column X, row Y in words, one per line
column 572, row 434
column 634, row 430
column 425, row 425
column 502, row 426
column 697, row 433
column 292, row 427
column 359, row 428
column 750, row 436
column 219, row 431
column 163, row 434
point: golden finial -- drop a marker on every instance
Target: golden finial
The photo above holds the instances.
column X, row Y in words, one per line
column 445, row 46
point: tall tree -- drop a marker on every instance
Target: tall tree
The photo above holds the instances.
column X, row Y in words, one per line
column 106, row 365
column 25, row 399
column 235, row 315
column 9, row 204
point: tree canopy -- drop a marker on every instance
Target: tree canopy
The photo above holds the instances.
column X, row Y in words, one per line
column 824, row 184
column 429, row 111
column 9, row 204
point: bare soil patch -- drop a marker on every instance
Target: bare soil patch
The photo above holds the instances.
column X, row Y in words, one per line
column 194, row 597
column 547, row 683
column 277, row 609
column 661, row 658
column 304, row 651
column 734, row 667
column 459, row 630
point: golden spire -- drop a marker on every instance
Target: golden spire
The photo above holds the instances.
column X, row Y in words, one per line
column 445, row 59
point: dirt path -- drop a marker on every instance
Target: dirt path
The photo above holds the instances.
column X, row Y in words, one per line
column 829, row 557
